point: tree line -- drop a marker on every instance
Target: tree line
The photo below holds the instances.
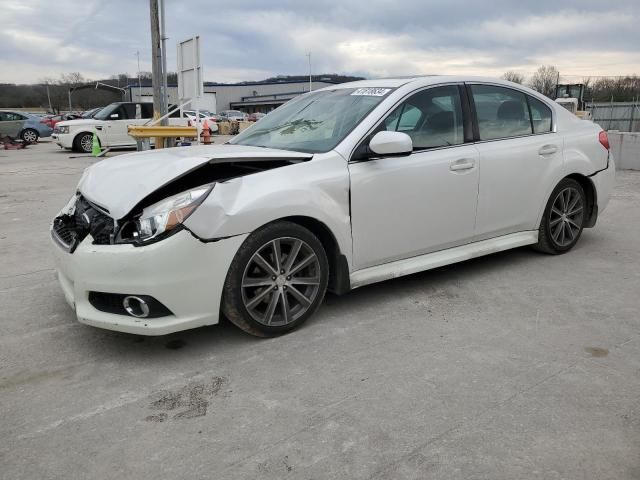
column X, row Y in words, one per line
column 52, row 94
column 597, row 89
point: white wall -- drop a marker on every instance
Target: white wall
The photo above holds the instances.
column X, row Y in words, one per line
column 625, row 147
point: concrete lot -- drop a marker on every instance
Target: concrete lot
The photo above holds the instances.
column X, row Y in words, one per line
column 513, row 366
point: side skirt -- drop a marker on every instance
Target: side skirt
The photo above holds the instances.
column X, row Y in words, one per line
column 408, row 266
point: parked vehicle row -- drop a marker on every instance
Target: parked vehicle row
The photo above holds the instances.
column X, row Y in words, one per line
column 110, row 124
column 339, row 188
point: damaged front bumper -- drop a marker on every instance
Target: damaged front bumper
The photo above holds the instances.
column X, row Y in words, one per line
column 181, row 272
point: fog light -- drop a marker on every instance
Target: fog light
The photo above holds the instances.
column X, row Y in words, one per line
column 135, row 306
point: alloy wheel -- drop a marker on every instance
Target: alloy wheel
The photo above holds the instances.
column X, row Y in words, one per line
column 30, row 136
column 566, row 216
column 281, row 281
column 86, row 142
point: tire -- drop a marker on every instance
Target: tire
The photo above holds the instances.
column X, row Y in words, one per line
column 29, row 135
column 83, row 142
column 563, row 219
column 264, row 302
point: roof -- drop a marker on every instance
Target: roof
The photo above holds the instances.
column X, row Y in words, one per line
column 423, row 80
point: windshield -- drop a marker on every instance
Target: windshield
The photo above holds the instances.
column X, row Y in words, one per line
column 105, row 112
column 314, row 122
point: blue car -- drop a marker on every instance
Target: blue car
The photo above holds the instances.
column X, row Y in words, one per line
column 23, row 125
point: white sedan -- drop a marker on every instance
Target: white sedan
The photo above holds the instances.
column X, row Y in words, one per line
column 349, row 185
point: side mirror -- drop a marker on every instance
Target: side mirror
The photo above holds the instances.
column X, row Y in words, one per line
column 114, row 116
column 391, row 143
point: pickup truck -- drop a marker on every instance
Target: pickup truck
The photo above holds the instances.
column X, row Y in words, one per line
column 110, row 124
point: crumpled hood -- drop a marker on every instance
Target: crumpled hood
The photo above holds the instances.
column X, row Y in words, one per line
column 118, row 184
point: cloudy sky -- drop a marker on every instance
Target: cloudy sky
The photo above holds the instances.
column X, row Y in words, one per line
column 255, row 39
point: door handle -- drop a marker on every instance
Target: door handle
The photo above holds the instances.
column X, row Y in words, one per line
column 548, row 150
column 462, row 164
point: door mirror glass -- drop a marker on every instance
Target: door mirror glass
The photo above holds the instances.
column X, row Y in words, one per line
column 391, row 143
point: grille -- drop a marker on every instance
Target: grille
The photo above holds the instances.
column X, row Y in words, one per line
column 65, row 231
column 70, row 230
column 112, row 303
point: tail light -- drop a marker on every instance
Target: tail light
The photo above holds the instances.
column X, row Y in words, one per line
column 604, row 139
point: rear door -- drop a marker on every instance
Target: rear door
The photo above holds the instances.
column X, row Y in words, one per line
column 404, row 206
column 519, row 155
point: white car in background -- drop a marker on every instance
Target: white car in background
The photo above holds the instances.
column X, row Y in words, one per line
column 232, row 115
column 110, row 124
column 349, row 185
column 205, row 118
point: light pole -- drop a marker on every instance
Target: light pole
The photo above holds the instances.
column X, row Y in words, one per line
column 139, row 87
column 309, row 55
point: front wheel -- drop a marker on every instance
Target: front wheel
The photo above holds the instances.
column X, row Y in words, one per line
column 276, row 281
column 29, row 135
column 563, row 218
column 83, row 142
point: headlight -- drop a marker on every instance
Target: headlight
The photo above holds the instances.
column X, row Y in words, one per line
column 70, row 207
column 166, row 215
column 62, row 129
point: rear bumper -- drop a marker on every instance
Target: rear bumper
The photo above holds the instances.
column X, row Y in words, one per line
column 604, row 181
column 183, row 273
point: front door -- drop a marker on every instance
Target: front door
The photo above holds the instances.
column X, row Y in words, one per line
column 115, row 127
column 11, row 124
column 423, row 202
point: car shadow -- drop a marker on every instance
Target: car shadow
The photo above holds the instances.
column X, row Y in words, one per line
column 225, row 337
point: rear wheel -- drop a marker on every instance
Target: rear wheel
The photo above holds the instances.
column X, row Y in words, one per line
column 563, row 219
column 83, row 142
column 29, row 135
column 276, row 281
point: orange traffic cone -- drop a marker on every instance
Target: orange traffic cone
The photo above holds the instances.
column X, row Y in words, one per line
column 206, row 133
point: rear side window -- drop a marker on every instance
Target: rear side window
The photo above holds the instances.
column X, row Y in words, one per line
column 540, row 115
column 501, row 112
column 432, row 118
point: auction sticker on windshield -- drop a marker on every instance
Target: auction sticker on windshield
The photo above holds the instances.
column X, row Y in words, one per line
column 371, row 92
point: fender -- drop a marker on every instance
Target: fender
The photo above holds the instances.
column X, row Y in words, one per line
column 318, row 189
column 582, row 155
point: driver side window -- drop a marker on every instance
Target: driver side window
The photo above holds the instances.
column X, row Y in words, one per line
column 432, row 118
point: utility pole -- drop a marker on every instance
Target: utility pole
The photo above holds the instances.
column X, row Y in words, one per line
column 156, row 66
column 49, row 98
column 163, row 38
column 309, row 55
